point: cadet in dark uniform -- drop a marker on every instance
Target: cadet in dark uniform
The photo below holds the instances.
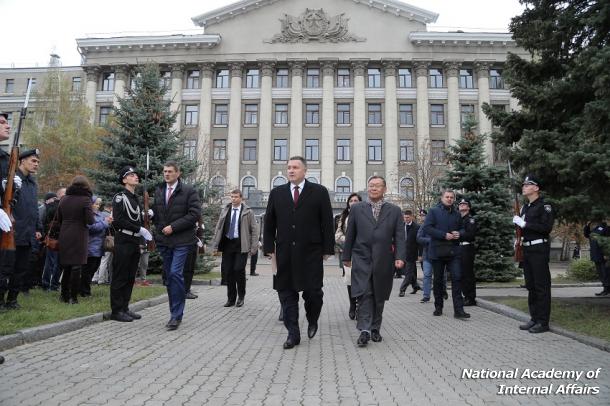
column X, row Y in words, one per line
column 536, row 220
column 127, row 222
column 469, row 286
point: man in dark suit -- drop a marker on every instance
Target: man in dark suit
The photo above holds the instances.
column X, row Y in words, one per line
column 413, row 254
column 299, row 235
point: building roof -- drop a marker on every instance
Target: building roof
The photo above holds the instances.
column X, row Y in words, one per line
column 150, row 41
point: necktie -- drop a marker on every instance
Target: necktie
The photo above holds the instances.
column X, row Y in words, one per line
column 232, row 233
column 296, row 194
column 169, row 194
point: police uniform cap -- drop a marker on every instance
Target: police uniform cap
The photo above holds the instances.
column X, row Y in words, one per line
column 126, row 170
column 464, row 201
column 532, row 180
column 423, row 212
column 49, row 195
column 29, row 153
column 4, row 114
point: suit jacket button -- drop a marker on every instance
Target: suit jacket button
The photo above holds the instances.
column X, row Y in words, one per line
column 294, row 243
column 293, row 226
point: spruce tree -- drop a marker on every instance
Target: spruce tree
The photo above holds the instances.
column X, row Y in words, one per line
column 487, row 189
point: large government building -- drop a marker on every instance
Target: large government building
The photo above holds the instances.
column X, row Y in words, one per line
column 356, row 87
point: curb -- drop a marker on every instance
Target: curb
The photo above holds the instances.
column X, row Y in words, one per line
column 33, row 334
column 554, row 286
column 520, row 316
column 209, row 282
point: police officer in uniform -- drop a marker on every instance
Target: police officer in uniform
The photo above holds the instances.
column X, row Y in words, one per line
column 536, row 221
column 469, row 286
column 127, row 222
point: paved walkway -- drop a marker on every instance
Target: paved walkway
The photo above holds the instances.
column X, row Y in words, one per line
column 234, row 356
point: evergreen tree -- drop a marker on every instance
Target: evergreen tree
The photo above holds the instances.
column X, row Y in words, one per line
column 562, row 132
column 142, row 121
column 487, row 189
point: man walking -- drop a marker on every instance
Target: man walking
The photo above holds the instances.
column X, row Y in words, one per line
column 299, row 233
column 598, row 256
column 176, row 211
column 413, row 254
column 469, row 282
column 374, row 227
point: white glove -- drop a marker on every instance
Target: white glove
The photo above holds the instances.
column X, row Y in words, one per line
column 519, row 221
column 199, row 243
column 146, row 234
column 16, row 183
column 5, row 222
column 150, row 213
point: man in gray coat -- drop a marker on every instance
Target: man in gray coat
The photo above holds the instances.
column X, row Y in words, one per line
column 374, row 246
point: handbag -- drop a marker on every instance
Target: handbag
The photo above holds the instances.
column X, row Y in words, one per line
column 108, row 244
column 446, row 249
column 50, row 242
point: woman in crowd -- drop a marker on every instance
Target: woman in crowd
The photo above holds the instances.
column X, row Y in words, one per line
column 95, row 251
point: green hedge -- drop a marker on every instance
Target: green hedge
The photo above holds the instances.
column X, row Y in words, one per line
column 583, row 270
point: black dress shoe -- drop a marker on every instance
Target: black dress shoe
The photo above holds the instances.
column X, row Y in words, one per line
column 172, row 324
column 291, row 342
column 253, row 274
column 538, row 328
column 229, row 304
column 527, row 325
column 415, row 289
column 120, row 316
column 73, row 301
column 438, row 312
column 133, row 315
column 461, row 314
column 364, row 338
column 424, row 300
column 312, row 329
column 352, row 312
column 445, row 295
column 605, row 292
column 13, row 305
column 240, row 302
column 401, row 294
column 470, row 302
column 375, row 336
column 190, row 295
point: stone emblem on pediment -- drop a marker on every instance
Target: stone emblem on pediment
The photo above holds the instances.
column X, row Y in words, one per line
column 314, row 25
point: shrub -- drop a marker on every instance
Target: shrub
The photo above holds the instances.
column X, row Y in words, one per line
column 583, row 270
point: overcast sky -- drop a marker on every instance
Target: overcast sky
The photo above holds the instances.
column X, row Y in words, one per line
column 31, row 29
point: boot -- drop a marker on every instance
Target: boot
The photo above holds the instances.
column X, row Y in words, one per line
column 65, row 284
column 2, row 292
column 352, row 304
column 74, row 284
column 11, row 300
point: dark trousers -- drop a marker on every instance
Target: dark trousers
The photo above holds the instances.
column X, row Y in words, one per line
column 452, row 264
column 70, row 281
column 604, row 273
column 290, row 307
column 370, row 309
column 13, row 268
column 87, row 275
column 253, row 262
column 124, row 267
column 51, row 272
column 469, row 286
column 410, row 276
column 234, row 266
column 189, row 268
column 538, row 282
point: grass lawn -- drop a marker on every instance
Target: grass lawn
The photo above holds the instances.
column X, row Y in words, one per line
column 207, row 276
column 516, row 282
column 589, row 317
column 41, row 307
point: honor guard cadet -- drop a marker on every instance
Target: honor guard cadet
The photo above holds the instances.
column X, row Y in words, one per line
column 536, row 221
column 469, row 286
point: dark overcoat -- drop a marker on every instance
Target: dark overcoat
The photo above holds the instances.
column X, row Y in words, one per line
column 369, row 245
column 182, row 212
column 300, row 235
column 74, row 214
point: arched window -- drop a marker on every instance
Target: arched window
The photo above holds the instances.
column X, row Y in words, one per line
column 248, row 184
column 279, row 181
column 343, row 185
column 407, row 188
column 218, row 185
column 312, row 179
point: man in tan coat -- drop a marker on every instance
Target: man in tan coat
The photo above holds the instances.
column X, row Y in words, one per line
column 236, row 236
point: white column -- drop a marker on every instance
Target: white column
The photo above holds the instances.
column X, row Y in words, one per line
column 359, row 159
column 121, row 74
column 177, row 75
column 327, row 158
column 423, row 114
column 453, row 101
column 296, row 109
column 205, row 121
column 264, row 133
column 391, row 127
column 482, row 71
column 233, row 147
column 92, row 73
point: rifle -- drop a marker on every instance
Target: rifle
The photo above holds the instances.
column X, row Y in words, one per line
column 150, row 245
column 517, row 211
column 7, row 240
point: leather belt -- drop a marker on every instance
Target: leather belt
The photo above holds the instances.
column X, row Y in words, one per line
column 534, row 242
column 130, row 233
column 465, row 243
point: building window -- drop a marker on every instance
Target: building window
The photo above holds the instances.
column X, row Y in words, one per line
column 404, row 78
column 191, row 115
column 313, row 77
column 252, row 79
column 218, row 185
column 281, row 78
column 343, row 185
column 9, row 86
column 406, row 115
column 76, row 81
column 220, row 150
column 436, row 78
column 251, row 117
column 248, row 184
column 343, row 77
column 249, row 150
column 222, row 79
column 165, row 79
column 495, row 79
column 343, row 114
column 407, row 188
column 437, row 150
column 221, row 114
column 466, row 79
column 280, row 150
column 407, row 150
column 437, row 114
column 281, row 114
column 279, row 181
column 374, row 114
column 192, row 79
column 312, row 114
column 189, row 149
column 375, row 150
column 343, row 150
column 32, row 82
column 312, row 149
column 466, row 112
column 107, row 82
column 374, row 77
column 104, row 114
